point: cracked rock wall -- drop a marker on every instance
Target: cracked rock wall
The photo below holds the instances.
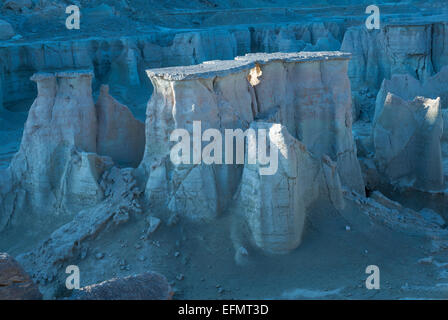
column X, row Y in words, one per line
column 231, row 94
column 56, row 171
column 407, row 144
column 275, row 206
column 417, row 49
column 121, row 62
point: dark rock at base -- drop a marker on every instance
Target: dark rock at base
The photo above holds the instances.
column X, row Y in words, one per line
column 15, row 283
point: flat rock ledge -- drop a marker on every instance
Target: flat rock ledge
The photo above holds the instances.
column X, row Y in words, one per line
column 222, row 68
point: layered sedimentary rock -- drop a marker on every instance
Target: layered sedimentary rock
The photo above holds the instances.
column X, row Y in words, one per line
column 408, row 87
column 312, row 92
column 57, row 168
column 397, row 217
column 407, row 138
column 121, row 62
column 415, row 48
column 275, row 206
column 215, row 93
column 120, row 135
column 309, row 92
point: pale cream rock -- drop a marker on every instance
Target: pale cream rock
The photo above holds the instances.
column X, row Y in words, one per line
column 68, row 142
column 120, row 135
column 56, row 169
column 390, row 213
column 416, row 49
column 214, row 94
column 61, row 126
column 275, row 206
column 408, row 87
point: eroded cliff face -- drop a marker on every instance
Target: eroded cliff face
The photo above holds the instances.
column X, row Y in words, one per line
column 404, row 146
column 71, row 149
column 417, row 49
column 122, row 62
column 57, row 169
column 215, row 93
column 67, row 183
column 318, row 112
column 275, row 206
column 407, row 142
column 120, row 136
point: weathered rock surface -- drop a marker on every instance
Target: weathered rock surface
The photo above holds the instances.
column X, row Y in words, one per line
column 55, row 167
column 122, row 62
column 15, row 284
column 416, row 49
column 230, row 95
column 407, row 142
column 408, row 87
column 147, row 286
column 120, row 135
column 183, row 95
column 275, row 206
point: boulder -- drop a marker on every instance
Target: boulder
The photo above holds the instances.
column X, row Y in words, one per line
column 414, row 48
column 275, row 206
column 308, row 93
column 407, row 138
column 120, row 135
column 67, row 144
column 15, row 284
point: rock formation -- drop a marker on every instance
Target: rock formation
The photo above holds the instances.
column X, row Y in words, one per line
column 407, row 142
column 94, row 187
column 275, row 206
column 15, row 284
column 57, row 168
column 416, row 49
column 120, row 135
column 408, row 87
column 310, row 91
column 122, row 62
